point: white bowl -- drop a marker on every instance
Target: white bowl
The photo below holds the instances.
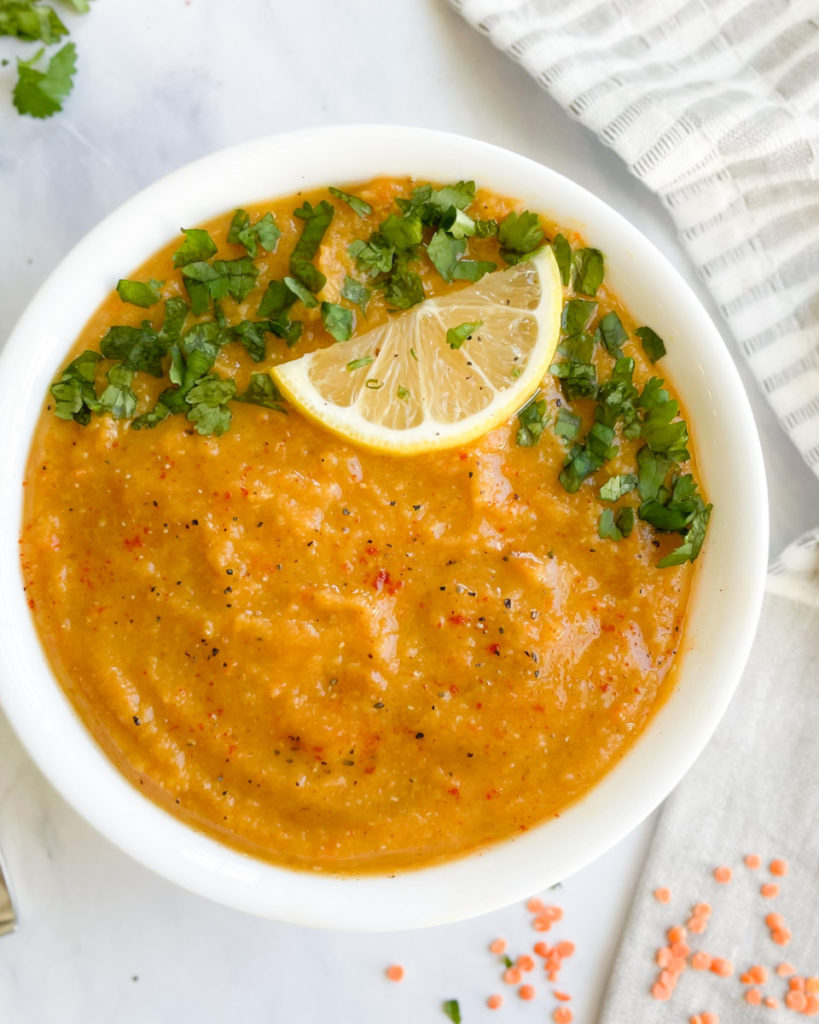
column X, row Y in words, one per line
column 721, row 622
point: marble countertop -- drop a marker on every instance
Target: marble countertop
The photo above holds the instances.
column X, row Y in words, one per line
column 161, row 82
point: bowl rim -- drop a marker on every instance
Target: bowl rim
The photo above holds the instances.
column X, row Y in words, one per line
column 53, row 734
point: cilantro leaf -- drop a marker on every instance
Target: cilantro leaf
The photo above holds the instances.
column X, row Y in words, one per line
column 176, row 310
column 316, row 221
column 520, row 235
column 472, row 270
column 616, row 486
column 337, row 320
column 251, row 334
column 651, row 473
column 374, row 256
column 585, row 459
column 402, row 233
column 653, row 344
column 486, row 228
column 74, row 394
column 611, row 334
column 576, row 315
column 692, row 544
column 403, row 288
column 289, row 330
column 607, row 528
column 357, row 205
column 354, row 291
column 616, row 399
column 567, row 424
column 80, row 6
column 28, row 20
column 456, row 336
column 152, row 418
column 578, row 379
column 533, row 419
column 301, row 292
column 140, row 348
column 663, row 432
column 140, row 293
column 277, row 299
column 208, row 400
column 198, row 246
column 223, row 277
column 40, row 93
column 588, row 270
column 452, row 1009
column 563, row 257
column 118, row 398
column 624, row 520
column 262, row 390
column 265, row 232
column 444, row 252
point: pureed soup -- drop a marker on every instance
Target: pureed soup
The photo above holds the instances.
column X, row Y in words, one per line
column 333, row 659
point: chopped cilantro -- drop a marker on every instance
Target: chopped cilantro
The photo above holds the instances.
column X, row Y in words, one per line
column 30, row 21
column 567, row 425
column 616, row 486
column 651, row 473
column 236, row 278
column 354, row 291
column 140, row 348
column 118, row 398
column 357, row 205
column 402, row 392
column 624, row 520
column 403, row 288
column 611, row 334
column 373, row 383
column 576, row 315
column 607, row 528
column 198, row 246
column 251, row 334
column 41, row 93
column 265, row 232
column 337, row 320
column 301, row 292
column 653, row 344
column 74, row 394
column 663, row 432
column 578, row 379
column 262, row 390
column 444, row 252
column 277, row 299
column 692, row 544
column 585, row 459
column 208, row 401
column 588, row 270
column 374, row 256
column 520, row 235
column 486, row 228
column 140, row 293
column 176, row 310
column 456, row 336
column 316, row 221
column 402, row 232
column 563, row 257
column 533, row 419
column 452, row 1009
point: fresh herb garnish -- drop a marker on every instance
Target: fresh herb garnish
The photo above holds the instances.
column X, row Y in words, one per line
column 41, row 93
column 567, row 425
column 616, row 486
column 456, row 336
column 301, row 292
column 31, row 21
column 402, row 392
column 355, row 292
column 265, row 232
column 221, row 278
column 611, row 334
column 452, row 1009
column 563, row 257
column 357, row 205
column 356, row 364
column 261, row 390
column 316, row 221
column 198, row 245
column 533, row 419
column 653, row 344
column 588, row 270
column 337, row 320
column 208, row 401
column 74, row 394
column 520, row 235
column 140, row 293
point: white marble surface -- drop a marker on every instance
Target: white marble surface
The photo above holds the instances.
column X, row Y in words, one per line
column 162, row 82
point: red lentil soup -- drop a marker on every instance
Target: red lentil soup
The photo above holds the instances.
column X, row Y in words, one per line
column 332, row 659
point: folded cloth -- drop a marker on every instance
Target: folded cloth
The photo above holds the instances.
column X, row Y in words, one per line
column 754, row 793
column 714, row 104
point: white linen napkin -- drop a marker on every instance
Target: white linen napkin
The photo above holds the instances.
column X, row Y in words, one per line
column 755, row 791
column 714, row 104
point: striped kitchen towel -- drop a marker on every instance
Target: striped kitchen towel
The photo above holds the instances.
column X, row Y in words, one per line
column 714, row 104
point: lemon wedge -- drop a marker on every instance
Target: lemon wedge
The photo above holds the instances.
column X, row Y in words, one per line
column 403, row 388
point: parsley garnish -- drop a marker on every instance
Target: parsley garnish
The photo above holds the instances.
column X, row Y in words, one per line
column 357, row 205
column 452, row 1009
column 337, row 320
column 31, row 21
column 140, row 293
column 41, row 93
column 456, row 336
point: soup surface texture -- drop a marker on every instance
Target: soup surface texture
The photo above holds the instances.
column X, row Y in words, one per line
column 332, row 659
